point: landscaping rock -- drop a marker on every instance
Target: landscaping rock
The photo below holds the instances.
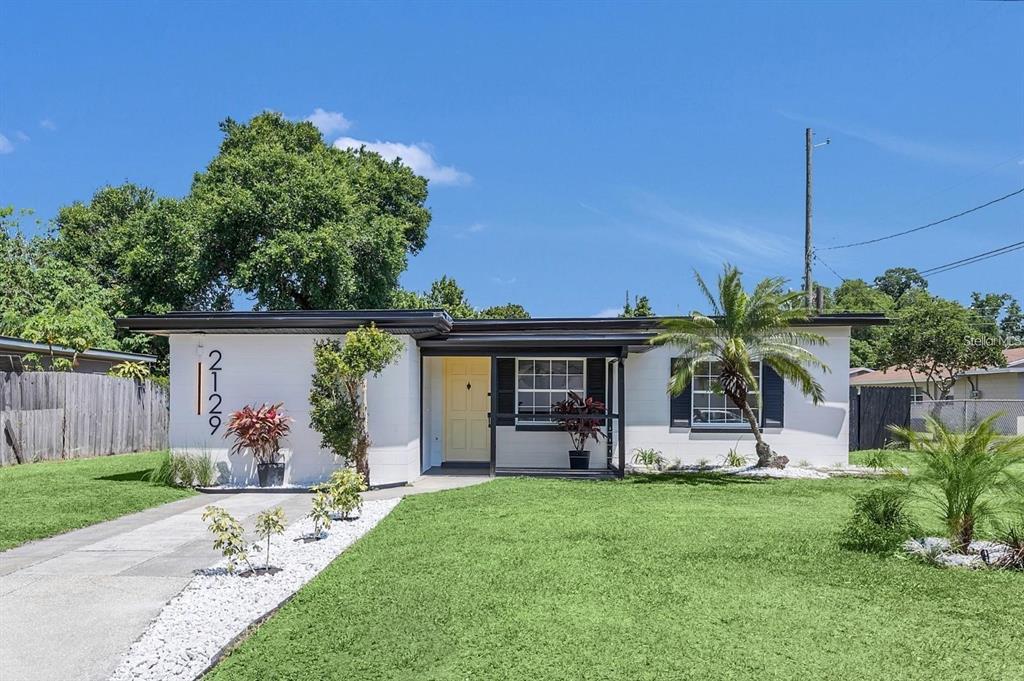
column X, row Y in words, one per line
column 216, row 607
column 778, row 461
column 936, row 550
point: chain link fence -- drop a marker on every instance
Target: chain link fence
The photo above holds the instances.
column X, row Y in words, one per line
column 962, row 414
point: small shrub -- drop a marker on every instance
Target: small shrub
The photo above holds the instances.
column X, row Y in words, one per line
column 343, row 490
column 268, row 523
column 229, row 538
column 880, row 522
column 965, row 472
column 803, row 463
column 651, row 458
column 703, row 463
column 134, row 370
column 1012, row 536
column 183, row 470
column 204, row 473
column 734, row 459
column 878, row 459
column 320, row 514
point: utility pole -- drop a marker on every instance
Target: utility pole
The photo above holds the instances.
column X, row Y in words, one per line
column 808, row 242
column 808, row 210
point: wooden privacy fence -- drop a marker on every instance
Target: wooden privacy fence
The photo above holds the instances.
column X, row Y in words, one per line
column 872, row 411
column 59, row 415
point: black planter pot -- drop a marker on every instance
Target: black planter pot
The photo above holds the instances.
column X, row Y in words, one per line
column 270, row 474
column 579, row 460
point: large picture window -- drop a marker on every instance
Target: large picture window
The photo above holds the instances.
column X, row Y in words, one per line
column 711, row 406
column 541, row 383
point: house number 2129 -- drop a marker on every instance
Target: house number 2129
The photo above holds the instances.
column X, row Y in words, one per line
column 214, row 399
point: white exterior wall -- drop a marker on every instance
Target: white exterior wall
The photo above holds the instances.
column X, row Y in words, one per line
column 817, row 434
column 258, row 368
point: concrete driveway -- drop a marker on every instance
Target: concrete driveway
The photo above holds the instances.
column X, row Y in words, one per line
column 72, row 605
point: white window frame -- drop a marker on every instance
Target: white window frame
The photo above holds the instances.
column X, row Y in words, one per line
column 546, row 422
column 755, row 405
column 917, row 395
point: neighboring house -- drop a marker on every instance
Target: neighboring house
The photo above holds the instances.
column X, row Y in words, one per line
column 92, row 361
column 995, row 383
column 433, row 406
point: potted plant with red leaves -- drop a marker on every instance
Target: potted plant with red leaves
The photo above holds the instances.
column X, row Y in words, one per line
column 260, row 431
column 574, row 417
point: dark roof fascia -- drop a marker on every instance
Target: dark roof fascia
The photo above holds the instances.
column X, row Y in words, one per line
column 594, row 344
column 11, row 344
column 636, row 323
column 413, row 322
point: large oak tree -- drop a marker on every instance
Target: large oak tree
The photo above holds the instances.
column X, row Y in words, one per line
column 297, row 224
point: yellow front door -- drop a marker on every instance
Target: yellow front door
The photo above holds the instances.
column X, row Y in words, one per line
column 467, row 384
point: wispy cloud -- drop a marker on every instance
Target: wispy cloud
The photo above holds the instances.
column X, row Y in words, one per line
column 5, row 145
column 419, row 157
column 329, row 122
column 608, row 312
column 712, row 240
column 48, row 124
column 896, row 143
column 22, row 137
column 504, row 281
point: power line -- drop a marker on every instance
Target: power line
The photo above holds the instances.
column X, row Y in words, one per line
column 973, row 259
column 829, row 268
column 930, row 224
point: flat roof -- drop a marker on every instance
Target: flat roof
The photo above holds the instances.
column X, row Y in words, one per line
column 418, row 323
column 411, row 322
column 22, row 346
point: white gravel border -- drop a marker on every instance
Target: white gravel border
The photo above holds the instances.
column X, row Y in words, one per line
column 937, row 550
column 740, row 471
column 215, row 607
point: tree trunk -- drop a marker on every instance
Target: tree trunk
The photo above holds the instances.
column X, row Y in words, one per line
column 764, row 451
column 362, row 450
column 962, row 534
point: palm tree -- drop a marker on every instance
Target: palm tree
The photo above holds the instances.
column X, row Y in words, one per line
column 745, row 328
column 964, row 470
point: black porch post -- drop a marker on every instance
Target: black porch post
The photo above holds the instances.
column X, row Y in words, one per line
column 622, row 417
column 493, row 416
column 609, row 425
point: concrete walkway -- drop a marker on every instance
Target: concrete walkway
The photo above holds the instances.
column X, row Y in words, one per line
column 72, row 605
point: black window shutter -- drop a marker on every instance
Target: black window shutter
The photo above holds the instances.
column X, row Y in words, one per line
column 596, row 378
column 679, row 405
column 506, row 390
column 772, row 398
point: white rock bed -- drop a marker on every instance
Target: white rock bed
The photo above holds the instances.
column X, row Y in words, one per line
column 216, row 607
column 938, row 549
column 741, row 471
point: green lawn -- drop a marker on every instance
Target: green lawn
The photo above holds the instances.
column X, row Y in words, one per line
column 686, row 577
column 43, row 499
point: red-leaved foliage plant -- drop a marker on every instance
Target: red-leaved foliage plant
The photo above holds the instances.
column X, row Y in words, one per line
column 260, row 430
column 572, row 417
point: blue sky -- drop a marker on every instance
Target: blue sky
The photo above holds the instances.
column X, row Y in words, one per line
column 576, row 150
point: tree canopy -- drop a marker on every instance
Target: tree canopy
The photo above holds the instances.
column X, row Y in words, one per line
column 939, row 339
column 298, row 224
column 641, row 307
column 47, row 299
column 446, row 294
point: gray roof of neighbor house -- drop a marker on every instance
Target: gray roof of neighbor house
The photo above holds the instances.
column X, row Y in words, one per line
column 20, row 346
column 1014, row 364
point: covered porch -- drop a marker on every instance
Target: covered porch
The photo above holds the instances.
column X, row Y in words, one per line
column 487, row 396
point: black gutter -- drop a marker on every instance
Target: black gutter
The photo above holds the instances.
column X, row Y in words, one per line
column 633, row 323
column 437, row 321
